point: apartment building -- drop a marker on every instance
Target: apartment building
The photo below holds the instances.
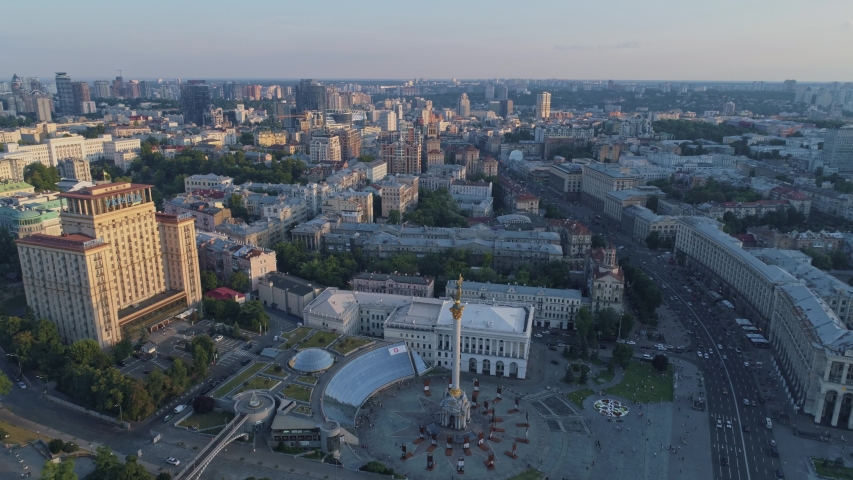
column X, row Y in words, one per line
column 210, row 181
column 74, row 169
column 225, row 257
column 575, row 239
column 353, row 207
column 398, row 192
column 411, row 286
column 207, row 218
column 118, row 270
column 402, row 157
column 264, row 233
column 552, row 307
column 325, row 149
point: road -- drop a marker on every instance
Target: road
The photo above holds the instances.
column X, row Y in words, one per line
column 714, row 332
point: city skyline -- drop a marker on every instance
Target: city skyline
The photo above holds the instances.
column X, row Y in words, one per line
column 761, row 40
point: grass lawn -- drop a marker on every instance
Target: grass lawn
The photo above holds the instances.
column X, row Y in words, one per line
column 207, row 420
column 294, row 337
column 642, row 383
column 320, row 339
column 298, row 392
column 259, row 383
column 271, row 372
column 829, row 471
column 604, row 376
column 529, row 474
column 577, row 397
column 308, row 380
column 239, row 379
column 16, row 434
column 348, row 344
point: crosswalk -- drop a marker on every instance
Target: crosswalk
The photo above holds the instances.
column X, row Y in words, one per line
column 235, row 356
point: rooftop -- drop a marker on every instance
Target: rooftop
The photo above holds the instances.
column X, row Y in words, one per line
column 518, row 289
column 383, row 277
column 75, row 242
column 296, row 285
column 822, row 321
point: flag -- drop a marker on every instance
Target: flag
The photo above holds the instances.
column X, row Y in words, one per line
column 397, row 349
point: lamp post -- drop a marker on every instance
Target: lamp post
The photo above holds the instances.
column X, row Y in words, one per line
column 20, row 371
column 120, row 419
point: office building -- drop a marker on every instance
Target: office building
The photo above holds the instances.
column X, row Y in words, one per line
column 118, row 270
column 310, row 96
column 543, row 105
column 80, row 94
column 552, row 307
column 287, row 293
column 495, row 337
column 195, row 101
column 501, row 91
column 65, row 92
column 407, row 285
column 463, row 107
column 102, row 89
column 505, row 108
column 43, row 108
column 74, row 169
column 838, row 148
column 209, row 181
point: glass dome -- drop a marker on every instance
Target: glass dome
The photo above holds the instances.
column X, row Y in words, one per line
column 311, row 360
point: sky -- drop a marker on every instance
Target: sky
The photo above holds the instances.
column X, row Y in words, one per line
column 720, row 40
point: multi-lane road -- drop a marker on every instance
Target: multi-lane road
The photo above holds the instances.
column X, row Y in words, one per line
column 742, row 443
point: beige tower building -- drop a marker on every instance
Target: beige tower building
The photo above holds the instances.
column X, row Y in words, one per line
column 543, row 105
column 120, row 268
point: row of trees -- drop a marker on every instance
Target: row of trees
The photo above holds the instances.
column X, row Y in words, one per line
column 41, row 177
column 641, row 292
column 687, row 130
column 782, row 220
column 436, row 209
column 250, row 316
column 108, row 467
column 834, row 260
column 239, row 281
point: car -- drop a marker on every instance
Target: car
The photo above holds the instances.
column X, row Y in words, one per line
column 780, row 473
column 754, row 404
column 737, row 350
column 122, row 363
column 631, row 342
column 222, row 378
column 218, row 338
column 537, row 335
column 669, row 347
column 729, row 423
column 706, row 356
column 561, row 344
column 772, row 442
column 180, row 408
column 247, row 346
column 146, row 372
column 724, row 460
column 746, row 364
column 699, row 353
column 719, row 347
column 22, row 385
column 554, row 362
column 746, row 401
column 746, row 428
column 719, row 423
column 725, row 391
column 173, row 461
column 774, row 452
column 725, row 357
column 167, row 418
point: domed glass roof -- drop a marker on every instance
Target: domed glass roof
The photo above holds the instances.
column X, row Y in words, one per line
column 311, row 360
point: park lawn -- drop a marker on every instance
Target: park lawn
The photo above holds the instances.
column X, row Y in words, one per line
column 577, row 397
column 642, row 383
column 529, row 474
column 298, row 392
column 239, row 379
column 829, row 471
column 294, row 337
column 348, row 344
column 320, row 339
column 208, row 420
column 271, row 372
column 604, row 376
column 16, row 434
column 259, row 383
column 308, row 380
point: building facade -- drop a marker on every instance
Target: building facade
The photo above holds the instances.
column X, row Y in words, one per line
column 412, row 286
column 552, row 307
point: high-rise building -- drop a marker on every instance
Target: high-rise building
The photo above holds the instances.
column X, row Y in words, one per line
column 490, row 92
column 102, row 89
column 145, row 89
column 80, row 93
column 402, row 157
column 66, row 95
column 543, row 105
column 233, row 91
column 505, row 109
column 325, row 149
column 463, row 107
column 74, row 169
column 118, row 87
column 195, row 101
column 350, row 143
column 501, row 91
column 43, row 105
column 838, row 148
column 310, row 95
column 119, row 268
column 131, row 89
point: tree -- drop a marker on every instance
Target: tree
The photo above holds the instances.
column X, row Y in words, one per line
column 240, row 282
column 583, row 323
column 55, row 445
column 123, row 349
column 584, row 376
column 202, row 349
column 84, row 351
column 178, row 374
column 598, row 242
column 569, row 377
column 133, row 470
column 253, row 316
column 660, row 362
column 41, row 177
column 652, row 203
column 58, row 471
column 238, row 210
column 208, row 280
column 653, row 240
column 437, row 209
column 622, row 354
column 203, row 404
column 246, row 138
column 394, row 217
column 5, row 385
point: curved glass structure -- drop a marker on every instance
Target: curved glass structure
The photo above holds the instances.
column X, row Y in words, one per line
column 311, row 360
column 356, row 381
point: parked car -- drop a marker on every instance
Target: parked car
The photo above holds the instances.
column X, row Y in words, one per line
column 167, row 418
column 180, row 408
column 22, row 385
column 218, row 338
column 173, row 461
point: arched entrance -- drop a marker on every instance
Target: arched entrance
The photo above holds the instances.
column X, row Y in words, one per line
column 499, row 369
column 513, row 370
column 487, row 367
column 472, row 365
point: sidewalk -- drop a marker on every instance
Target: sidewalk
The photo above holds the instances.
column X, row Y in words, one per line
column 692, row 426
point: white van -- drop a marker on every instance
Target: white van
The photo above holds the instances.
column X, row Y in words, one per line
column 768, row 423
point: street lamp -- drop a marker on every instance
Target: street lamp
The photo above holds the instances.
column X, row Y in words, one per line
column 119, row 412
column 20, row 371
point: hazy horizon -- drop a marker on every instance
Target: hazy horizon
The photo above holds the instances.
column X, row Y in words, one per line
column 727, row 40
